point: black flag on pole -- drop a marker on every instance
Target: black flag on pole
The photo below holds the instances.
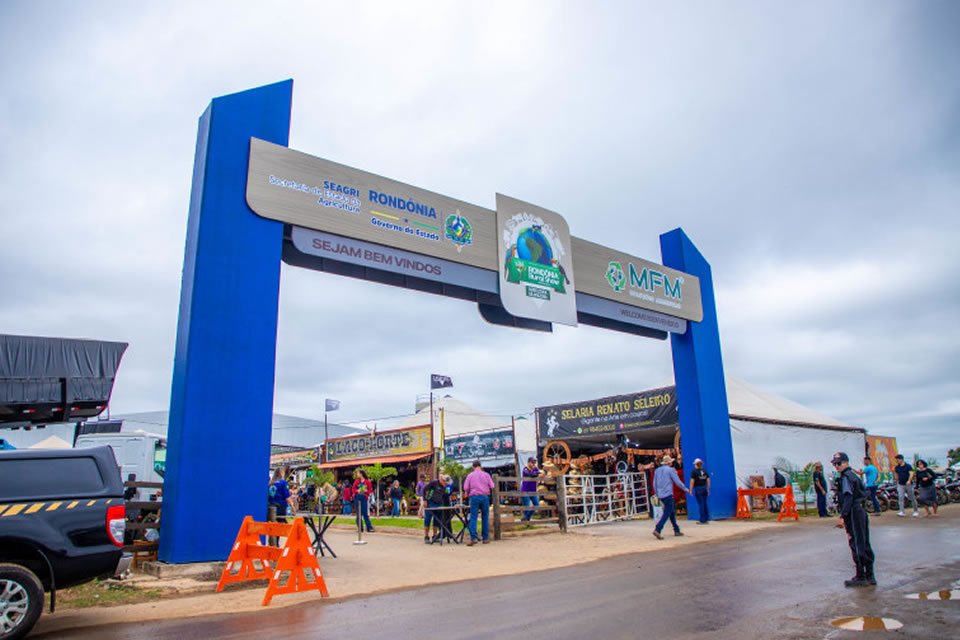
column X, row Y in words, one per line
column 439, row 382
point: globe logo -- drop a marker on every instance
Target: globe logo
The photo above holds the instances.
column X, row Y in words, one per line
column 458, row 230
column 615, row 277
column 533, row 246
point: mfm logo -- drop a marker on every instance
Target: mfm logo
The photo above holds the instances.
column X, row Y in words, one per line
column 647, row 280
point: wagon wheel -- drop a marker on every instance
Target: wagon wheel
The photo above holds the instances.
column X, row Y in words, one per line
column 558, row 454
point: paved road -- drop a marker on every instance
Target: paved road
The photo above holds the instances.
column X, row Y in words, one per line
column 776, row 584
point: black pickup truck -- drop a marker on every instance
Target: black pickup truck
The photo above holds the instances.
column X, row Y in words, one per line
column 62, row 519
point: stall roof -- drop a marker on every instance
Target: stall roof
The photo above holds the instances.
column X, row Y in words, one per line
column 746, row 402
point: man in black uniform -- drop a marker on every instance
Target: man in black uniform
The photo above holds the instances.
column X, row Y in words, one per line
column 852, row 494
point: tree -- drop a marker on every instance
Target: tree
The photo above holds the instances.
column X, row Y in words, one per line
column 953, row 455
column 378, row 472
column 318, row 478
column 453, row 468
column 803, row 478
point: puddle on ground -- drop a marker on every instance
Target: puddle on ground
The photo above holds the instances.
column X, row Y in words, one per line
column 944, row 594
column 867, row 623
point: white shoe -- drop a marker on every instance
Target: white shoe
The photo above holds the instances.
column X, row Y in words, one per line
column 901, row 514
column 916, row 514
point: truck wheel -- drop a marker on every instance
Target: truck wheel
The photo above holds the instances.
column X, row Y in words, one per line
column 21, row 600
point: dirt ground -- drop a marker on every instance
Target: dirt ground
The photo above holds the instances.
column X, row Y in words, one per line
column 391, row 562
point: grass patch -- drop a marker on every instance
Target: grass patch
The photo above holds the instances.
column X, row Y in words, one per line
column 103, row 593
column 405, row 523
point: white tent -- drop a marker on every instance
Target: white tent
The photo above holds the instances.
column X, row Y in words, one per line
column 453, row 417
column 765, row 427
column 53, row 442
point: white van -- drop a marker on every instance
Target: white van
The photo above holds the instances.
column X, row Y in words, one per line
column 139, row 452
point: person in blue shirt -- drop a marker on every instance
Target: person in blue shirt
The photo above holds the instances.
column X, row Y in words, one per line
column 665, row 478
column 279, row 494
column 870, row 477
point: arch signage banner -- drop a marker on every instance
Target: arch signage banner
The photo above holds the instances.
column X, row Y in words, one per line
column 479, row 444
column 536, row 265
column 307, row 191
column 612, row 415
column 354, row 216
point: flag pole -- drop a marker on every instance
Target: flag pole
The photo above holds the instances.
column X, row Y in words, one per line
column 434, row 473
column 326, row 436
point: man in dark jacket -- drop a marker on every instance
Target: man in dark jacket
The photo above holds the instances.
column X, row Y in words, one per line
column 852, row 494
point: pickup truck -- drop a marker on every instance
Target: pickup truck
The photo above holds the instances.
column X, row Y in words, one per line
column 62, row 520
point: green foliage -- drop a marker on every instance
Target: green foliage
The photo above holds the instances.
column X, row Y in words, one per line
column 318, row 478
column 377, row 472
column 953, row 455
column 453, row 468
column 803, row 478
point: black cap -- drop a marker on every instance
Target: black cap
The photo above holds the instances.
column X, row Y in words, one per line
column 839, row 458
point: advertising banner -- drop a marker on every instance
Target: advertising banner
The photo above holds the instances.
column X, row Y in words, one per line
column 533, row 250
column 387, row 443
column 883, row 450
column 480, row 444
column 307, row 191
column 613, row 415
column 614, row 275
column 295, row 458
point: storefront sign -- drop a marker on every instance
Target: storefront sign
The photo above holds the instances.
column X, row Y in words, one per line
column 295, row 458
column 387, row 443
column 307, row 191
column 626, row 279
column 536, row 267
column 481, row 444
column 613, row 415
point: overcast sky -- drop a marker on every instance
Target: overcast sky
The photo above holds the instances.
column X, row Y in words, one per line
column 810, row 150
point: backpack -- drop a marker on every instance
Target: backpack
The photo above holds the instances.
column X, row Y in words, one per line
column 434, row 493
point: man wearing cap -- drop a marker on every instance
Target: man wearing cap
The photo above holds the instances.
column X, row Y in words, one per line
column 852, row 494
column 530, row 486
column 664, row 479
column 700, row 487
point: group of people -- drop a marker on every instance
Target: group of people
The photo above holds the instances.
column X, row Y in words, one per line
column 665, row 478
column 918, row 486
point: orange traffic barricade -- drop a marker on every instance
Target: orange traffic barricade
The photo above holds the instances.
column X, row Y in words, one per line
column 787, row 510
column 295, row 558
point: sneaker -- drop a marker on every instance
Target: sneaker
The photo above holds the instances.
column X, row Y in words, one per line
column 426, row 540
column 656, row 534
column 486, row 542
column 916, row 514
column 901, row 514
column 371, row 530
column 471, row 543
column 678, row 533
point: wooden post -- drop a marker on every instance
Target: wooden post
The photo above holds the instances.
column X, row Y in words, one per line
column 561, row 504
column 495, row 498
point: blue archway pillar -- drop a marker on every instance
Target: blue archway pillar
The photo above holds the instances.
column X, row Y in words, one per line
column 221, row 403
column 701, row 390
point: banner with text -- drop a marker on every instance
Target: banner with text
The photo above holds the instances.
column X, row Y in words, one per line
column 613, row 415
column 387, row 443
column 295, row 458
column 480, row 444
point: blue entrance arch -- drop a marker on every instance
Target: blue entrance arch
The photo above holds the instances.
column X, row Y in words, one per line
column 221, row 402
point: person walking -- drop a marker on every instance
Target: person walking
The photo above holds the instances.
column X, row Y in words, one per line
column 478, row 486
column 904, row 473
column 820, row 487
column 926, row 487
column 870, row 476
column 421, row 485
column 396, row 497
column 346, row 497
column 700, row 488
column 362, row 489
column 855, row 521
column 664, row 480
column 530, row 486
